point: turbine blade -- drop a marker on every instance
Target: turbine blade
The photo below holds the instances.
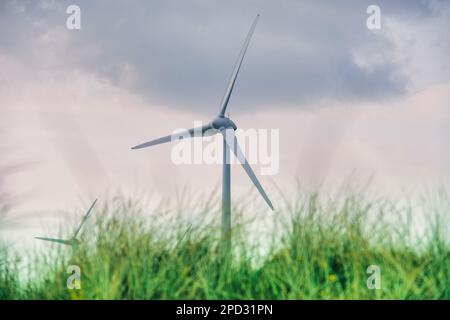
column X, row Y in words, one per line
column 61, row 241
column 153, row 142
column 231, row 140
column 84, row 219
column 226, row 97
column 202, row 131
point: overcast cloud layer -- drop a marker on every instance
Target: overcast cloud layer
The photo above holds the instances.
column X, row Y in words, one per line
column 180, row 53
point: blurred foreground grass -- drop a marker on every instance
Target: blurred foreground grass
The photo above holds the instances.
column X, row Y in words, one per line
column 307, row 249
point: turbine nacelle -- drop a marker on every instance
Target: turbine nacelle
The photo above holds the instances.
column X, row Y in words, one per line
column 221, row 122
column 75, row 242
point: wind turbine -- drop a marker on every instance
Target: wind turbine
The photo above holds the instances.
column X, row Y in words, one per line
column 73, row 242
column 225, row 126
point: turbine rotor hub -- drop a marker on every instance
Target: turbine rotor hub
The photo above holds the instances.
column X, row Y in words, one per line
column 222, row 122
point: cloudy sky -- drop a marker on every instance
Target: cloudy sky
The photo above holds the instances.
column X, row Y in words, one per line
column 344, row 98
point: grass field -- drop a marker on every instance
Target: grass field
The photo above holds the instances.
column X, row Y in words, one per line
column 309, row 248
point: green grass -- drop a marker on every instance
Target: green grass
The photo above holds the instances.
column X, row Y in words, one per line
column 309, row 249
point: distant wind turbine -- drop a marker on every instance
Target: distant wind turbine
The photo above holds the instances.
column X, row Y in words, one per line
column 73, row 242
column 225, row 126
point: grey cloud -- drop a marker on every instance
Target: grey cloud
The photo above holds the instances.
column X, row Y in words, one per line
column 180, row 54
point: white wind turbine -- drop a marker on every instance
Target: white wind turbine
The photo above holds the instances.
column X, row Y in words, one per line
column 225, row 126
column 73, row 242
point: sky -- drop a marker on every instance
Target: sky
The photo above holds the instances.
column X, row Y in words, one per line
column 345, row 100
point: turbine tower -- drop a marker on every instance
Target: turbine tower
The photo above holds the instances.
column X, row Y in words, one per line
column 225, row 126
column 73, row 242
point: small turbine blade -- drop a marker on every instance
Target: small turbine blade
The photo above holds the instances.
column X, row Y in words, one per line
column 153, row 142
column 237, row 67
column 60, row 241
column 84, row 219
column 231, row 140
column 206, row 130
